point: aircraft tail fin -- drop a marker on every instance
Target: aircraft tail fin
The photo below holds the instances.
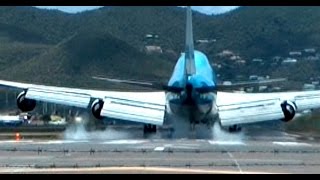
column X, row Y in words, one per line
column 189, row 52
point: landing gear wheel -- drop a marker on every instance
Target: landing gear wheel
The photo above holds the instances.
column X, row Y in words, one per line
column 149, row 129
column 234, row 128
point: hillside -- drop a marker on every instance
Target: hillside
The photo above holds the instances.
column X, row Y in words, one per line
column 51, row 26
column 52, row 47
column 73, row 63
column 267, row 31
column 131, row 24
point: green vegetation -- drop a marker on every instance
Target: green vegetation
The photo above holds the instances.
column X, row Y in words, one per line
column 56, row 48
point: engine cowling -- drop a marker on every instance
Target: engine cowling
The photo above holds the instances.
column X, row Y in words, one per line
column 24, row 104
column 96, row 108
column 289, row 110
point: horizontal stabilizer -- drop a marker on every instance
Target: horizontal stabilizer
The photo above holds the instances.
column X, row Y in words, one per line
column 152, row 85
column 159, row 86
column 223, row 87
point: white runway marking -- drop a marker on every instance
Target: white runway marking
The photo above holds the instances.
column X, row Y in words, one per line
column 291, row 144
column 159, row 148
column 183, row 147
column 15, row 141
column 123, row 170
column 236, row 162
column 226, row 143
column 59, row 142
column 124, row 142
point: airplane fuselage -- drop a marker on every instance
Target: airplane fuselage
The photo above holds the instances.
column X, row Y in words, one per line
column 198, row 94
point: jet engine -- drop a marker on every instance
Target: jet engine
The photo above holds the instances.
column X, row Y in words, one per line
column 25, row 104
column 289, row 110
column 96, row 108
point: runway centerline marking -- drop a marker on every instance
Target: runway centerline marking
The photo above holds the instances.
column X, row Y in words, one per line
column 125, row 142
column 226, row 142
column 159, row 148
column 236, row 162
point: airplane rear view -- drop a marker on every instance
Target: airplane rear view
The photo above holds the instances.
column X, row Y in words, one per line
column 192, row 92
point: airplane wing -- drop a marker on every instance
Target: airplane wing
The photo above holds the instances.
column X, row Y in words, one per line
column 244, row 108
column 143, row 107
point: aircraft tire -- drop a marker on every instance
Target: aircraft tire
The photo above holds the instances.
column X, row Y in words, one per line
column 234, row 128
column 149, row 129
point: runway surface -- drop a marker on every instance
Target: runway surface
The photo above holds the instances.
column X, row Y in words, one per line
column 251, row 151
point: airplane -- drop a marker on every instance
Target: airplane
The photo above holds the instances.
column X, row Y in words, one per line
column 192, row 92
column 13, row 121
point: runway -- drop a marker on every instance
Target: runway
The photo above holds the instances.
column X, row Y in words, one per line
column 269, row 151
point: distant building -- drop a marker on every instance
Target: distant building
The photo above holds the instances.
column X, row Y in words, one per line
column 216, row 65
column 276, row 89
column 295, row 53
column 151, row 39
column 241, row 61
column 225, row 53
column 257, row 60
column 202, row 41
column 205, row 41
column 151, row 36
column 289, row 61
column 263, row 88
column 310, row 50
column 153, row 49
column 309, row 87
column 253, row 77
column 235, row 58
column 227, row 83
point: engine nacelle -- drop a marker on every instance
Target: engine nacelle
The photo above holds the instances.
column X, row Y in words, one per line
column 96, row 108
column 289, row 110
column 24, row 104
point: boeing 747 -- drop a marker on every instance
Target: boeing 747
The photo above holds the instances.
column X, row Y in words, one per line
column 192, row 93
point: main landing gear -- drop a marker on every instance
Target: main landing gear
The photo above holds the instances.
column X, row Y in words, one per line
column 149, row 129
column 234, row 128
